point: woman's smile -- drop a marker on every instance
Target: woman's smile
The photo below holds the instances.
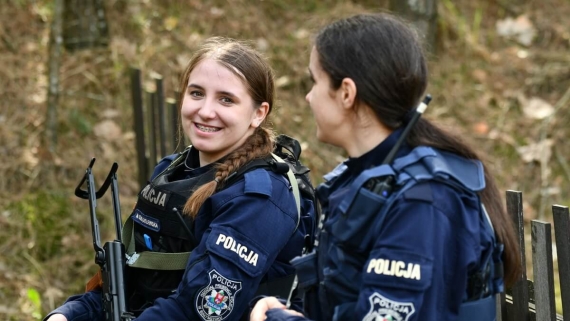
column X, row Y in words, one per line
column 207, row 129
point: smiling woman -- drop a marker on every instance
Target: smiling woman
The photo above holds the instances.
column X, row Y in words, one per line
column 218, row 114
column 242, row 232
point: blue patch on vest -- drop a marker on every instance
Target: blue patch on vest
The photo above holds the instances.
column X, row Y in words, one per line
column 258, row 182
column 420, row 192
column 149, row 222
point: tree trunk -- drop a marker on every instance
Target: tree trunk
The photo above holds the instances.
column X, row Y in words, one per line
column 85, row 24
column 55, row 42
column 422, row 14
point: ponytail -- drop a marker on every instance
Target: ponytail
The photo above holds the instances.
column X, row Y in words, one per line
column 426, row 134
column 258, row 145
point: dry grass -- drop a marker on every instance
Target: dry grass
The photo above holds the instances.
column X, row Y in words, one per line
column 477, row 81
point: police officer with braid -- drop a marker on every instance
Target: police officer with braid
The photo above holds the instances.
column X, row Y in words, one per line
column 242, row 230
column 422, row 236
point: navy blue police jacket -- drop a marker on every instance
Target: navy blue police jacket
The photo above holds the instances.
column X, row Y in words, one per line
column 247, row 232
column 408, row 262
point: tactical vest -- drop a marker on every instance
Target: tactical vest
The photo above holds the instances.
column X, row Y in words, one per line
column 331, row 290
column 158, row 238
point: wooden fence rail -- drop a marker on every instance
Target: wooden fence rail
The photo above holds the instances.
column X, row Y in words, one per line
column 158, row 134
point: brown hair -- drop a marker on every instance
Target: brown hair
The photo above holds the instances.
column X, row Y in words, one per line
column 248, row 65
column 385, row 59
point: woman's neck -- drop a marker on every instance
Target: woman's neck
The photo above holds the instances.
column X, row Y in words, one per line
column 366, row 133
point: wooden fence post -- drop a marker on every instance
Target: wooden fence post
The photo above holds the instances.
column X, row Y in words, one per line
column 519, row 310
column 562, row 234
column 159, row 105
column 175, row 130
column 542, row 271
column 157, row 129
column 138, row 123
column 151, row 129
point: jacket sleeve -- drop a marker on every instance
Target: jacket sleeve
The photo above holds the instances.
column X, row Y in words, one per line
column 82, row 307
column 254, row 220
column 417, row 269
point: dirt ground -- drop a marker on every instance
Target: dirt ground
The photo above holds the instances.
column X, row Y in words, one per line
column 499, row 76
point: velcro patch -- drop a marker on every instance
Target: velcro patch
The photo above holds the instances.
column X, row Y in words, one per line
column 154, row 196
column 237, row 248
column 420, row 192
column 382, row 308
column 258, row 182
column 215, row 302
column 400, row 269
column 150, row 223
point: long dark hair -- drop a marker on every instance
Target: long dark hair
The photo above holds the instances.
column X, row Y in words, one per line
column 385, row 59
column 247, row 64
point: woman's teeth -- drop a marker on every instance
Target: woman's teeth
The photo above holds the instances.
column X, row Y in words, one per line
column 207, row 129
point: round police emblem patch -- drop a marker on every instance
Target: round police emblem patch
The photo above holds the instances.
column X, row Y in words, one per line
column 215, row 302
column 384, row 309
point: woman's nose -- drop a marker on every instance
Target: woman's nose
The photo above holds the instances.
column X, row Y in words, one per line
column 208, row 109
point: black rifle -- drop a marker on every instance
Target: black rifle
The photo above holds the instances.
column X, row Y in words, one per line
column 110, row 257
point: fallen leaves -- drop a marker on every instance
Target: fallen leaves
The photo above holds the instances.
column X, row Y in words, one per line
column 520, row 29
column 540, row 151
column 537, row 108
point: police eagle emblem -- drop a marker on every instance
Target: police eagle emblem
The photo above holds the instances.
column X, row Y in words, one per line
column 216, row 301
column 384, row 309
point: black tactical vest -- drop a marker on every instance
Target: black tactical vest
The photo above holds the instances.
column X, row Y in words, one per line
column 160, row 227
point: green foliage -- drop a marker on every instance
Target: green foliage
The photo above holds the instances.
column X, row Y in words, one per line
column 79, row 123
column 45, row 215
column 35, row 302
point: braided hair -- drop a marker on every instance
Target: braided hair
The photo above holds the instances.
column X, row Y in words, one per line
column 258, row 145
column 256, row 74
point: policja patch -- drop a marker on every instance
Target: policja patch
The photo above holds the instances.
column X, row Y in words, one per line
column 383, row 309
column 215, row 302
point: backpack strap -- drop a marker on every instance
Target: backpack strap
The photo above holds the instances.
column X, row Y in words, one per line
column 278, row 165
column 293, row 181
column 169, row 161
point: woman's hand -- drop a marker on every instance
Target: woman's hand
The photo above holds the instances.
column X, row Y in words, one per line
column 264, row 305
column 57, row 317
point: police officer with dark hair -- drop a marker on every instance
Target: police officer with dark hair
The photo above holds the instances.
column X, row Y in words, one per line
column 422, row 236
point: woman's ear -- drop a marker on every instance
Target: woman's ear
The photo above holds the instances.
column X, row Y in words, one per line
column 347, row 93
column 260, row 114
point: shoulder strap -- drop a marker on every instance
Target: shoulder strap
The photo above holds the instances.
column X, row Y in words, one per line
column 281, row 167
column 169, row 161
column 426, row 163
column 293, row 181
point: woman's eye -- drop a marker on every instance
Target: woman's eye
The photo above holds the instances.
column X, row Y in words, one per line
column 226, row 100
column 196, row 93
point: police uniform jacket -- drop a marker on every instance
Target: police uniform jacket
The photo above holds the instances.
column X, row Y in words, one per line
column 247, row 233
column 410, row 262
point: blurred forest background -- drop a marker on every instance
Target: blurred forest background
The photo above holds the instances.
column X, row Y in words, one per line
column 499, row 76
